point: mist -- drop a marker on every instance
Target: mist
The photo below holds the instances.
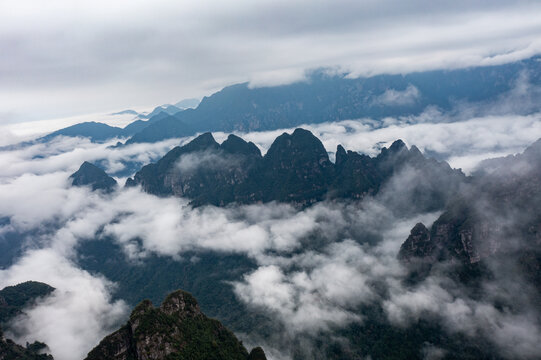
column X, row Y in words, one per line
column 317, row 269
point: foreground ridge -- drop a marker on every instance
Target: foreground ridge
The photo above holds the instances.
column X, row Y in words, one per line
column 176, row 329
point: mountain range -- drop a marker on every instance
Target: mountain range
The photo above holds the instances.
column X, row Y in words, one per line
column 489, row 225
column 328, row 98
column 296, row 169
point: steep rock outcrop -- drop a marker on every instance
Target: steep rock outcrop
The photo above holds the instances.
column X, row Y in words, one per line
column 177, row 329
column 499, row 213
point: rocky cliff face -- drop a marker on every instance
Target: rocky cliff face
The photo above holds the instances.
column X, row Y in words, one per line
column 91, row 175
column 176, row 330
column 498, row 214
column 296, row 169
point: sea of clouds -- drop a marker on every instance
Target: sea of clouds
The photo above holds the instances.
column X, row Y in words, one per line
column 305, row 286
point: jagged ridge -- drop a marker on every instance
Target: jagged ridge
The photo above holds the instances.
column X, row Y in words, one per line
column 296, row 169
column 177, row 329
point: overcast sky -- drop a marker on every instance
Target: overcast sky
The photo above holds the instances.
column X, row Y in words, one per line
column 63, row 58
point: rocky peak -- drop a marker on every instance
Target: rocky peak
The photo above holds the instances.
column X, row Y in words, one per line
column 237, row 145
column 296, row 169
column 257, row 354
column 396, row 154
column 397, row 146
column 480, row 219
column 341, row 155
column 417, row 245
column 300, row 147
column 181, row 304
column 91, row 175
column 176, row 330
column 202, row 142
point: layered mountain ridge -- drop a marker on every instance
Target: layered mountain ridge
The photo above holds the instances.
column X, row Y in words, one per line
column 323, row 98
column 296, row 169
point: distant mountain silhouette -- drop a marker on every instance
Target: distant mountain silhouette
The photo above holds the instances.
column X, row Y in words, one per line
column 325, row 98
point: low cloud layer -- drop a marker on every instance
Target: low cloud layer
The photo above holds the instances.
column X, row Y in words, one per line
column 316, row 268
column 75, row 317
column 210, row 160
column 392, row 97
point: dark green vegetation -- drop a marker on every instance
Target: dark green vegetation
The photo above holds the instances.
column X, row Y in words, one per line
column 326, row 98
column 12, row 301
column 208, row 278
column 204, row 274
column 91, row 175
column 14, row 298
column 296, row 169
column 176, row 330
column 11, row 351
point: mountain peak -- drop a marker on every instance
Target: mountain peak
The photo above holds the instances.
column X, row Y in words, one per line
column 180, row 303
column 397, row 146
column 417, row 245
column 237, row 145
column 341, row 155
column 202, row 142
column 175, row 330
column 91, row 175
column 301, row 143
column 257, row 353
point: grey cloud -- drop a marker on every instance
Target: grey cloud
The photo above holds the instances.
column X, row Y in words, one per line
column 303, row 256
column 431, row 352
column 78, row 313
column 462, row 143
column 70, row 59
column 189, row 163
column 392, row 97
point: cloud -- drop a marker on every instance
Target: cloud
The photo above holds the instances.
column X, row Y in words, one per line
column 75, row 317
column 210, row 160
column 513, row 333
column 317, row 268
column 462, row 143
column 68, row 153
column 392, row 97
column 431, row 352
column 119, row 57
